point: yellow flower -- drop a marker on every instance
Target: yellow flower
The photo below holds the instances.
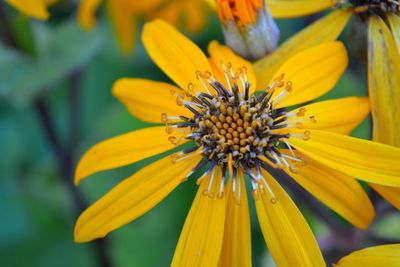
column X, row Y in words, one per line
column 379, row 256
column 125, row 15
column 383, row 60
column 248, row 27
column 33, row 8
column 233, row 134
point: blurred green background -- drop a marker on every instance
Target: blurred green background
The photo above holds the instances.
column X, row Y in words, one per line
column 71, row 74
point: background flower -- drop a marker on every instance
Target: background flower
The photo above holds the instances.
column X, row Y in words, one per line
column 33, row 8
column 125, row 16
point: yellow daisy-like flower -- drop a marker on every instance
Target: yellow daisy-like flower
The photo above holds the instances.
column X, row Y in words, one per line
column 125, row 15
column 237, row 135
column 33, row 8
column 383, row 60
column 379, row 256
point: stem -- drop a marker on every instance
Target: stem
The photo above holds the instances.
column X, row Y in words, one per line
column 66, row 166
column 74, row 110
column 5, row 27
column 64, row 157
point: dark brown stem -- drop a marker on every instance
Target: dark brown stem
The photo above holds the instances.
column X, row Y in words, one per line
column 5, row 29
column 65, row 163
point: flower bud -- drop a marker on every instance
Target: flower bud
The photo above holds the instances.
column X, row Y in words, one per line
column 248, row 27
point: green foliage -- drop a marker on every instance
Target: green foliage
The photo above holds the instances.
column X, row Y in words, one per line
column 65, row 49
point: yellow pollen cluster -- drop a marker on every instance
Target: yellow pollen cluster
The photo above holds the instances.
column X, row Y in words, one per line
column 231, row 128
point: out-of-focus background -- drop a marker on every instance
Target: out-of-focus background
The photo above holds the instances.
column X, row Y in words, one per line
column 56, row 102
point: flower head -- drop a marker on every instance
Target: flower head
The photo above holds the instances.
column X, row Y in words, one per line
column 234, row 136
column 248, row 27
column 383, row 59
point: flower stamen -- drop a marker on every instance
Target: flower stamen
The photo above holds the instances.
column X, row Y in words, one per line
column 233, row 129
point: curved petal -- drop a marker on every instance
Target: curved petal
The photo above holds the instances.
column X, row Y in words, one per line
column 87, row 13
column 287, row 234
column 297, row 8
column 236, row 248
column 326, row 29
column 366, row 160
column 174, row 53
column 391, row 194
column 147, row 99
column 384, row 83
column 132, row 198
column 124, row 24
column 394, row 22
column 123, row 150
column 339, row 115
column 313, row 72
column 200, row 242
column 220, row 54
column 336, row 190
column 32, row 8
column 379, row 256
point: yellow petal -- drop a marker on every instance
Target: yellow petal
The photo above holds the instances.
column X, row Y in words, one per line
column 339, row 115
column 147, row 99
column 338, row 191
column 222, row 54
column 379, row 256
column 297, row 8
column 313, row 72
column 124, row 24
column 391, row 194
column 287, row 234
column 394, row 22
column 384, row 83
column 174, row 53
column 324, row 30
column 236, row 248
column 123, row 150
column 87, row 13
column 132, row 198
column 366, row 160
column 200, row 242
column 32, row 8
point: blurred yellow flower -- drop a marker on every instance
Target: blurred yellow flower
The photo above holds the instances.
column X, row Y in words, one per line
column 125, row 15
column 379, row 256
column 33, row 8
column 231, row 133
column 383, row 62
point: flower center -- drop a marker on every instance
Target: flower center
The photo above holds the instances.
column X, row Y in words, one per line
column 239, row 11
column 232, row 128
column 372, row 6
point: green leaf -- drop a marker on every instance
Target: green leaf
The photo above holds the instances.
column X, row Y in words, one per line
column 66, row 50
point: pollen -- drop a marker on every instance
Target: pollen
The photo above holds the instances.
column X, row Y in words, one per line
column 235, row 129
